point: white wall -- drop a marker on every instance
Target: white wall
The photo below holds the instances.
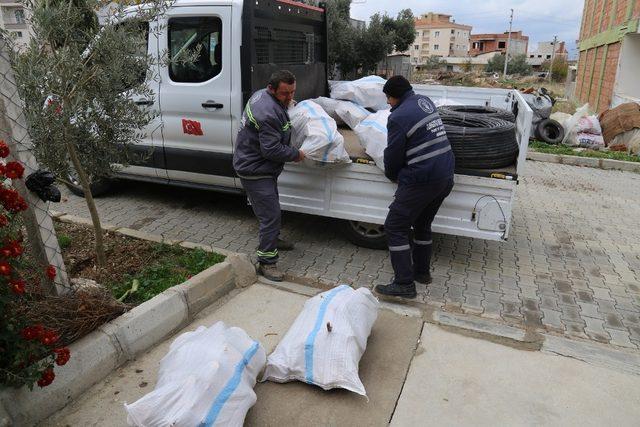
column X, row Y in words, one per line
column 627, row 86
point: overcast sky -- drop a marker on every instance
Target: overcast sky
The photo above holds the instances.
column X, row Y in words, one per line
column 538, row 19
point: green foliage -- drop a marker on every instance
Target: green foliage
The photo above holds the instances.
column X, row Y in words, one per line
column 64, row 240
column 354, row 50
column 173, row 265
column 434, row 62
column 560, row 69
column 542, row 147
column 517, row 65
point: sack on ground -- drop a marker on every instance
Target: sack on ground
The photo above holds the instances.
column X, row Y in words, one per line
column 325, row 343
column 589, row 140
column 366, row 92
column 207, row 378
column 351, row 113
column 571, row 135
column 372, row 133
column 589, row 124
column 315, row 133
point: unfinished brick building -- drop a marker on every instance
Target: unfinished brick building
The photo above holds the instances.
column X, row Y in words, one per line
column 609, row 53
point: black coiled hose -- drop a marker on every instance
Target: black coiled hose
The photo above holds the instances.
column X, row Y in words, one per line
column 480, row 142
column 497, row 113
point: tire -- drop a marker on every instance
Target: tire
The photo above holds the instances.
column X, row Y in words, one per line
column 364, row 234
column 497, row 113
column 98, row 188
column 549, row 131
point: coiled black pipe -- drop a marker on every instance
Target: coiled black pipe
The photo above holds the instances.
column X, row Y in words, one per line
column 480, row 142
column 498, row 113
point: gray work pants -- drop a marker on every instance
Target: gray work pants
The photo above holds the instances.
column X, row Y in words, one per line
column 264, row 199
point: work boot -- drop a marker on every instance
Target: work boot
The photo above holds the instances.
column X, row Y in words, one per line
column 396, row 290
column 424, row 278
column 271, row 272
column 284, row 245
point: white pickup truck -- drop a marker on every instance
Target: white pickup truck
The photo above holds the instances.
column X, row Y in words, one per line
column 198, row 109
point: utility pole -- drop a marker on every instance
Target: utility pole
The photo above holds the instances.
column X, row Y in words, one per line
column 553, row 56
column 506, row 56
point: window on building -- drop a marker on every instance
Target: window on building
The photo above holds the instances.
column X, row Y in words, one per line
column 436, row 47
column 539, row 56
column 502, row 45
column 548, row 56
column 415, row 60
column 425, row 33
column 416, row 46
column 195, row 34
column 437, row 34
column 19, row 34
column 453, row 31
column 19, row 14
column 531, row 56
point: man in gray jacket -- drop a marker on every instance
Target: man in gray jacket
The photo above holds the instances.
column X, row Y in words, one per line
column 262, row 148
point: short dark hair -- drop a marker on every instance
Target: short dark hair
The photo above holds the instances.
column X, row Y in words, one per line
column 281, row 76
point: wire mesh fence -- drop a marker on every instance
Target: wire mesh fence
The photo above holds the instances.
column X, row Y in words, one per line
column 38, row 223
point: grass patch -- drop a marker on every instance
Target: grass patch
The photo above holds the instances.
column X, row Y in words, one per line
column 542, row 147
column 172, row 265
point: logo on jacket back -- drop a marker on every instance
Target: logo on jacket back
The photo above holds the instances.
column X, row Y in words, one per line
column 425, row 105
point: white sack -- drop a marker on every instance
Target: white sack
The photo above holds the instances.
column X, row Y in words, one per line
column 329, row 106
column 372, row 133
column 315, row 133
column 366, row 91
column 351, row 113
column 570, row 134
column 589, row 124
column 589, row 140
column 325, row 343
column 630, row 140
column 207, row 378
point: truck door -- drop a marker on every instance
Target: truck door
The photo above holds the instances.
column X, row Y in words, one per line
column 195, row 95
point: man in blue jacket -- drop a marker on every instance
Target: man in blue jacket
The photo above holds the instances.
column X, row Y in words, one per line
column 419, row 158
column 262, row 148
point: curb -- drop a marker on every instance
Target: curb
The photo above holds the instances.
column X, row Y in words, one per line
column 98, row 354
column 590, row 162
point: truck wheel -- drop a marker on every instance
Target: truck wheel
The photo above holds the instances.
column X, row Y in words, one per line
column 98, row 187
column 364, row 234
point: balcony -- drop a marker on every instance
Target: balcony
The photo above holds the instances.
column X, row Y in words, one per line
column 452, row 39
column 15, row 26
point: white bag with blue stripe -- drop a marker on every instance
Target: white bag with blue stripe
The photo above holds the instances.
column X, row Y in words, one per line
column 315, row 133
column 351, row 113
column 325, row 343
column 366, row 91
column 206, row 379
column 372, row 133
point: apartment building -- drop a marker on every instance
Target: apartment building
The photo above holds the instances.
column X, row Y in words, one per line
column 497, row 42
column 438, row 34
column 13, row 19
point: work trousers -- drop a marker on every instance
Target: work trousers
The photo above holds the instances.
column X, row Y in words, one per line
column 414, row 206
column 265, row 202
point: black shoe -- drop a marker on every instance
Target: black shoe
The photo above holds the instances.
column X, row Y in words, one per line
column 271, row 272
column 396, row 290
column 424, row 278
column 285, row 245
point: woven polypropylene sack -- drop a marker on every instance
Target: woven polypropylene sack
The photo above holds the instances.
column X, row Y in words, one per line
column 207, row 378
column 366, row 91
column 316, row 134
column 372, row 133
column 325, row 343
column 351, row 113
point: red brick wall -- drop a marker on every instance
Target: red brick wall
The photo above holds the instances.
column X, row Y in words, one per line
column 590, row 61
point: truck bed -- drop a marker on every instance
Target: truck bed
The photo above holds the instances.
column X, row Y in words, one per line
column 357, row 154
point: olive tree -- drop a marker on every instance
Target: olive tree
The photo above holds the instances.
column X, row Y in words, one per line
column 79, row 82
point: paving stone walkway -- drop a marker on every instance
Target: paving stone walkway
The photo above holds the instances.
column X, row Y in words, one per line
column 571, row 265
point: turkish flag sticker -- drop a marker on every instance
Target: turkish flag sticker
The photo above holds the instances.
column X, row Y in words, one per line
column 192, row 127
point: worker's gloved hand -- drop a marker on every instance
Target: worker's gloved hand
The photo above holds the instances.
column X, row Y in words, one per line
column 301, row 156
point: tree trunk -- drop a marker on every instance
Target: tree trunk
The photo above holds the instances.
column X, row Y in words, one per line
column 95, row 219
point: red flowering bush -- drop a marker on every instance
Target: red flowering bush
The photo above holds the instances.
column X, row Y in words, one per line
column 28, row 353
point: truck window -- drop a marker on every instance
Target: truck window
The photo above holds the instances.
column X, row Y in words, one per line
column 198, row 39
column 140, row 50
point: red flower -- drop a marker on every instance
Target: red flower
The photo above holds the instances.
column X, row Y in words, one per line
column 6, row 252
column 12, row 200
column 4, row 221
column 14, row 170
column 62, row 355
column 49, row 337
column 17, row 286
column 3, row 169
column 47, row 378
column 4, row 149
column 51, row 272
column 32, row 332
column 16, row 248
column 5, row 268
